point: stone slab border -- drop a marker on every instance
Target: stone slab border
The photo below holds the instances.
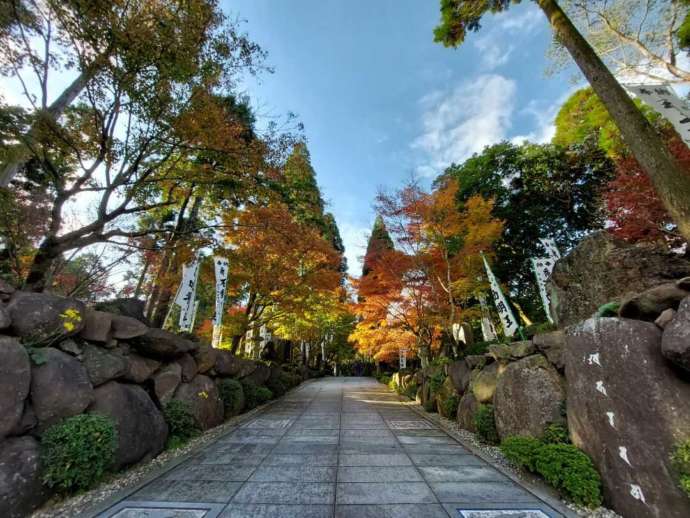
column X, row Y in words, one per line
column 212, row 510
column 121, row 496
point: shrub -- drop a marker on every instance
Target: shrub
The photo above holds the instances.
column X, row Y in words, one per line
column 77, row 452
column 478, row 348
column 182, row 425
column 263, row 395
column 449, row 407
column 231, row 394
column 681, row 462
column 537, row 329
column 385, row 379
column 571, row 472
column 411, row 390
column 486, row 424
column 253, row 395
column 290, row 379
column 276, row 386
column 556, row 433
column 436, row 381
column 521, row 451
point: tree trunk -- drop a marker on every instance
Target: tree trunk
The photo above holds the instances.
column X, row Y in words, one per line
column 672, row 184
column 43, row 261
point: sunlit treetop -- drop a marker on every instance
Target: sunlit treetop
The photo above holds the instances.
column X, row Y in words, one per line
column 460, row 16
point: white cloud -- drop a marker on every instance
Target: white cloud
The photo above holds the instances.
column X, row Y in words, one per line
column 464, row 120
column 355, row 240
column 545, row 119
column 493, row 55
column 523, row 22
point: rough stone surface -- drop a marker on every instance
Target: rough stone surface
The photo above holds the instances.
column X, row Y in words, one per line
column 141, row 429
column 684, row 283
column 649, row 304
column 484, row 383
column 27, row 422
column 166, row 381
column 188, row 365
column 126, row 307
column 459, row 373
column 604, row 269
column 521, row 349
column 15, row 380
column 202, row 396
column 627, row 409
column 475, row 361
column 675, row 343
column 126, row 328
column 41, row 317
column 102, row 365
column 260, row 375
column 529, row 395
column 60, row 387
column 96, row 326
column 5, row 320
column 467, row 407
column 139, row 368
column 21, row 490
column 500, row 352
column 205, row 357
column 551, row 345
column 71, row 347
column 159, row 343
column 6, row 288
column 446, row 392
column 665, row 318
column 227, row 364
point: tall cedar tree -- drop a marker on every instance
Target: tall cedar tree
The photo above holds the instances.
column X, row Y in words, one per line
column 379, row 242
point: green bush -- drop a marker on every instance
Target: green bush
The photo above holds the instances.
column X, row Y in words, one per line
column 290, row 379
column 231, row 394
column 385, row 379
column 77, row 452
column 182, row 425
column 556, row 433
column 537, row 329
column 486, row 424
column 571, row 472
column 435, row 382
column 521, row 451
column 263, row 394
column 681, row 462
column 478, row 348
column 449, row 407
column 411, row 390
column 253, row 395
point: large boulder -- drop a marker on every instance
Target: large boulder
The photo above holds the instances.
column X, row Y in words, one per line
column 227, row 364
column 260, row 375
column 102, row 365
column 604, row 269
column 188, row 365
column 41, row 317
column 162, row 344
column 529, row 395
column 649, row 304
column 15, row 380
column 443, row 396
column 205, row 357
column 27, row 422
column 5, row 319
column 141, row 428
column 60, row 387
column 127, row 307
column 204, row 402
column 96, row 326
column 675, row 344
column 467, row 408
column 628, row 409
column 459, row 373
column 139, row 368
column 126, row 328
column 483, row 383
column 166, row 381
column 21, row 490
column 551, row 345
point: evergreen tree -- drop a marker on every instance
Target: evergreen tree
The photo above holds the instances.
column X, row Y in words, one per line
column 379, row 241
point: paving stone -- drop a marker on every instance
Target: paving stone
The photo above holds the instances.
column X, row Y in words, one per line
column 285, row 493
column 377, row 474
column 417, row 440
column 381, row 459
column 391, row 511
column 495, row 510
column 425, row 459
column 320, row 459
column 187, row 491
column 219, row 472
column 436, row 449
column 461, row 474
column 277, row 511
column 474, row 492
column 384, row 493
column 294, row 474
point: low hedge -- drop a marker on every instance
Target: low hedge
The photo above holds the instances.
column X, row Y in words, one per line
column 182, row 425
column 485, row 422
column 232, row 395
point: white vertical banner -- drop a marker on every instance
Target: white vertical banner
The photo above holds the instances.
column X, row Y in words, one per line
column 403, row 358
column 221, row 271
column 323, row 351
column 543, row 266
column 510, row 325
column 488, row 330
column 186, row 295
column 664, row 100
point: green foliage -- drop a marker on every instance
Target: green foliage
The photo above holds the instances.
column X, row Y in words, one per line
column 683, row 33
column 571, row 472
column 385, row 379
column 77, row 452
column 411, row 390
column 435, row 382
column 521, row 451
column 460, row 16
column 485, row 423
column 537, row 329
column 478, row 348
column 276, row 386
column 231, row 394
column 290, row 379
column 681, row 462
column 610, row 309
column 440, row 361
column 449, row 407
column 253, row 395
column 556, row 433
column 182, row 425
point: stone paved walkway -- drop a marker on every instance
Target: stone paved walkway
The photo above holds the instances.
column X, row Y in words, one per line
column 343, row 447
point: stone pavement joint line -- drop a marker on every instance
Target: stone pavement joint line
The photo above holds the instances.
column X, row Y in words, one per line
column 337, row 447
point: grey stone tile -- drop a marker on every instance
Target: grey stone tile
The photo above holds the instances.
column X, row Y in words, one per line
column 226, row 472
column 187, row 491
column 141, row 512
column 304, row 447
column 378, row 474
column 294, row 474
column 240, row 458
column 317, row 459
column 384, row 493
column 425, row 459
column 417, row 440
column 251, row 439
column 262, row 423
column 428, row 432
column 374, row 459
column 277, row 511
column 436, row 449
column 519, row 510
column 310, row 439
column 285, row 493
column 477, row 492
column 311, row 432
column 462, row 474
column 355, row 434
column 391, row 511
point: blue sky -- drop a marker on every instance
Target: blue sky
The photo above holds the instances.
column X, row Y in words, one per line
column 381, row 101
